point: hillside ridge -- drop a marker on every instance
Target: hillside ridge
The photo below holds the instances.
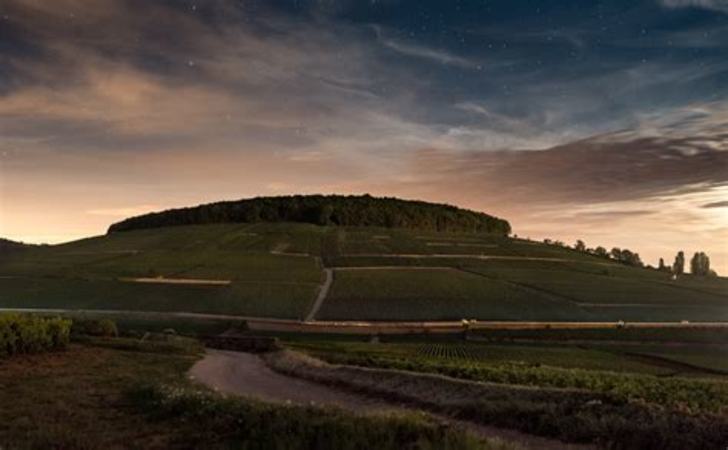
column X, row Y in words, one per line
column 332, row 210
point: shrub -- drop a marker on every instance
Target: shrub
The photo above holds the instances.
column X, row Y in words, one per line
column 217, row 422
column 30, row 334
column 95, row 327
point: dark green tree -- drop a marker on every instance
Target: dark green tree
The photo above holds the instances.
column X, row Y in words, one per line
column 700, row 264
column 678, row 267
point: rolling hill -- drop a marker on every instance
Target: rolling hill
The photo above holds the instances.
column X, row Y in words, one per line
column 333, row 272
column 6, row 245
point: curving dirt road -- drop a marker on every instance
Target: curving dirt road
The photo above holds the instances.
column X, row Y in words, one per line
column 247, row 375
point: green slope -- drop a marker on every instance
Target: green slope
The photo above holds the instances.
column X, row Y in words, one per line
column 276, row 270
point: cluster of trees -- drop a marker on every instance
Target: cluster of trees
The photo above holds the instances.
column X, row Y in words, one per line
column 699, row 264
column 625, row 256
column 334, row 210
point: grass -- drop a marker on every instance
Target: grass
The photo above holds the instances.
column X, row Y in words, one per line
column 75, row 399
column 600, row 358
column 115, row 393
column 696, row 395
column 566, row 414
column 436, row 295
column 276, row 270
column 711, row 357
column 695, row 335
column 602, row 288
column 537, row 355
column 254, row 299
column 233, row 423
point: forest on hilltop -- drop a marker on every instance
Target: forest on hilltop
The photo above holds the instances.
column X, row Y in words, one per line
column 331, row 210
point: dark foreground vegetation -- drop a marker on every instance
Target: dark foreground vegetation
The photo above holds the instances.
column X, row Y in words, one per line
column 336, row 210
column 213, row 422
column 105, row 391
column 570, row 415
column 122, row 392
column 21, row 334
column 694, row 395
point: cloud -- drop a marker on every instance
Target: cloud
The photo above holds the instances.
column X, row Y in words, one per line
column 101, row 102
column 430, row 54
column 722, row 204
column 591, row 170
column 714, row 5
column 419, row 51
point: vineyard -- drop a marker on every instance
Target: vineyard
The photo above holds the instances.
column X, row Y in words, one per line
column 275, row 270
column 637, row 382
column 452, row 351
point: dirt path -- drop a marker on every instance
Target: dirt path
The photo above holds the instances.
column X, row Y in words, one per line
column 455, row 256
column 246, row 374
column 322, row 294
column 193, row 281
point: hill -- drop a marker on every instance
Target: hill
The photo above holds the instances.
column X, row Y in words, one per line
column 6, row 245
column 297, row 271
column 331, row 210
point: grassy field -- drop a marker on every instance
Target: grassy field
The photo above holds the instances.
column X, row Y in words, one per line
column 119, row 393
column 627, row 334
column 127, row 393
column 275, row 270
column 525, row 355
column 433, row 294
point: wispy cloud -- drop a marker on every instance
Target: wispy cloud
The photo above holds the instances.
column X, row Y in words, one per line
column 722, row 204
column 430, row 54
column 714, row 5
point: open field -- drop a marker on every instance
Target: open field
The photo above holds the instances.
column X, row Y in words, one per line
column 278, row 271
column 401, row 294
column 132, row 393
column 120, row 393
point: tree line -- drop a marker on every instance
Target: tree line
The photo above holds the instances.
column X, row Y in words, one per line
column 699, row 264
column 329, row 210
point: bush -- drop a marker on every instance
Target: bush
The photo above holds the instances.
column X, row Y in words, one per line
column 217, row 422
column 95, row 327
column 30, row 334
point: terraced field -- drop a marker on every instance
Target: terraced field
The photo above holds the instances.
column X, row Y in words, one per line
column 97, row 273
column 437, row 294
column 276, row 270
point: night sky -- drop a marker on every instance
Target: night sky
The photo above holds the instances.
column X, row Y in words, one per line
column 606, row 121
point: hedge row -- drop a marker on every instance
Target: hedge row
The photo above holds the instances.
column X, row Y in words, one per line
column 30, row 334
